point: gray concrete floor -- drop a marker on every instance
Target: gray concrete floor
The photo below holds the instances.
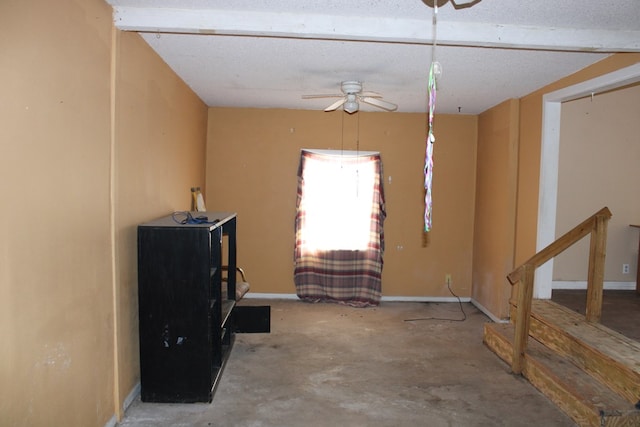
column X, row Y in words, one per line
column 332, row 365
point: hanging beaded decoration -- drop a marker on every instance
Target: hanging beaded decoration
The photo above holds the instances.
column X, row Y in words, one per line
column 428, row 161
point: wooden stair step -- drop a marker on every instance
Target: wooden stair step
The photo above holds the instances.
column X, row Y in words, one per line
column 605, row 354
column 586, row 400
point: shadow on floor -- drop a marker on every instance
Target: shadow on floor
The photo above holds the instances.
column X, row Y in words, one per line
column 620, row 309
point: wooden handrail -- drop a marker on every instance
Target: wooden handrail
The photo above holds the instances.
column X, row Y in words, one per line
column 596, row 225
column 561, row 244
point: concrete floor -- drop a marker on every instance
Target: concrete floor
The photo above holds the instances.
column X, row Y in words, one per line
column 331, row 365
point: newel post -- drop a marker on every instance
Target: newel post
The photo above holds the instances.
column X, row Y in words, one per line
column 595, row 279
column 523, row 318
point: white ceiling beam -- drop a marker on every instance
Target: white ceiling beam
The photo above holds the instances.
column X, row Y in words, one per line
column 388, row 30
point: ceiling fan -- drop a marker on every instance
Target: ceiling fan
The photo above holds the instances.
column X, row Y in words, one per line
column 351, row 97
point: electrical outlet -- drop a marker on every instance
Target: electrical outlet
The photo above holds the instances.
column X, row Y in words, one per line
column 447, row 279
column 625, row 268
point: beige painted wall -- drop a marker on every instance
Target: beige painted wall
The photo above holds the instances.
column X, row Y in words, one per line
column 599, row 155
column 529, row 149
column 160, row 128
column 252, row 161
column 56, row 317
column 57, row 283
column 494, row 236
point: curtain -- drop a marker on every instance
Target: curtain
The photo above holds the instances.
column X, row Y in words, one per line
column 339, row 196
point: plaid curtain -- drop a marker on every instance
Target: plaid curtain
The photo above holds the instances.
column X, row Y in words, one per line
column 346, row 276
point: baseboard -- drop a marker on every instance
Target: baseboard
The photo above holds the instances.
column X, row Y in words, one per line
column 254, row 295
column 425, row 299
column 401, row 299
column 250, row 295
column 489, row 314
column 579, row 284
column 133, row 395
column 113, row 421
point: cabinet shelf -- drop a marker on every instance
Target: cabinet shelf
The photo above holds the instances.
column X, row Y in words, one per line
column 227, row 308
column 186, row 325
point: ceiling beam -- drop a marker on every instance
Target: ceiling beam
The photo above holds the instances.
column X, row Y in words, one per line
column 373, row 29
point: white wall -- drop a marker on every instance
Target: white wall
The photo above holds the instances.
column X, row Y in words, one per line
column 598, row 166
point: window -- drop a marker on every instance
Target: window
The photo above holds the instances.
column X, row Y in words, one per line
column 339, row 234
column 337, row 199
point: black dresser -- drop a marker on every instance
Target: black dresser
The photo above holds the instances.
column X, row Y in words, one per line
column 186, row 321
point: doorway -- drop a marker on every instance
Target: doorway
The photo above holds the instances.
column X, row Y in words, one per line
column 550, row 148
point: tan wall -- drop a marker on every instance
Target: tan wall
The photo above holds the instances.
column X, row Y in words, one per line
column 598, row 166
column 56, row 317
column 160, row 129
column 252, row 161
column 529, row 149
column 494, row 237
column 57, row 365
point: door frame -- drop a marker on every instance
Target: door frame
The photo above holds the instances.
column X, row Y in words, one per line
column 549, row 159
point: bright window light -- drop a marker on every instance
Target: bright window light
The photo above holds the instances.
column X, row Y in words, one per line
column 338, row 198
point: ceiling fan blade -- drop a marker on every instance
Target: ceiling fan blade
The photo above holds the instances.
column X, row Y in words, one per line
column 336, row 104
column 322, row 96
column 385, row 105
column 371, row 94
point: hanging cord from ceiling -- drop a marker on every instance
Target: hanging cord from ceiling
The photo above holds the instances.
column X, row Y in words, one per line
column 358, row 135
column 464, row 315
column 358, row 155
column 342, row 135
column 341, row 140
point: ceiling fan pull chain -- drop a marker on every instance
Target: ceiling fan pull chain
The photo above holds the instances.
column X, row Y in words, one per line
column 342, row 141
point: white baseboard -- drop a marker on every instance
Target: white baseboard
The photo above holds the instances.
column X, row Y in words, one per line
column 489, row 314
column 250, row 295
column 113, row 421
column 255, row 295
column 133, row 395
column 396, row 299
column 582, row 284
column 424, row 299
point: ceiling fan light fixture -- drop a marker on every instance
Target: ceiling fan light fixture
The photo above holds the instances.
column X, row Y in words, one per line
column 432, row 3
column 351, row 106
column 456, row 4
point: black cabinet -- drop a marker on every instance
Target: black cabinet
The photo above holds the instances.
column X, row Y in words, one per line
column 185, row 316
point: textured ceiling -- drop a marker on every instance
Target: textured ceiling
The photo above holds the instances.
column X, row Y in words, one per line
column 267, row 54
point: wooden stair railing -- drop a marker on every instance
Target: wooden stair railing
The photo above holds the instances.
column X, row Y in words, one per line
column 596, row 225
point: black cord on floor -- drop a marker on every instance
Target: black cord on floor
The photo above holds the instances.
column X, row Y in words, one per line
column 464, row 315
